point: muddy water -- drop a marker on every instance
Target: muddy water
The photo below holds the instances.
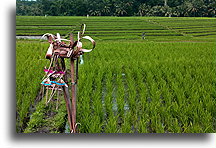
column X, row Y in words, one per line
column 67, row 128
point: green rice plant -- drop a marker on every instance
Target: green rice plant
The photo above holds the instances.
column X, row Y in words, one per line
column 111, row 124
column 37, row 118
column 28, row 62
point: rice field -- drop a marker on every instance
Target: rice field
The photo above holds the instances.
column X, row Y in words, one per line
column 164, row 83
column 123, row 28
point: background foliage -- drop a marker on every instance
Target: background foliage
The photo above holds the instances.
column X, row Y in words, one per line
column 178, row 8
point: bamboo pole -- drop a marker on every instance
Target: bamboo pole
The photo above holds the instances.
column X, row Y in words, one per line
column 73, row 101
column 67, row 96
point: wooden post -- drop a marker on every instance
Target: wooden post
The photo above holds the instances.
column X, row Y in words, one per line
column 73, row 101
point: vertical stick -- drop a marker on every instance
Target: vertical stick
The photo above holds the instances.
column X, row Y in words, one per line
column 77, row 65
column 68, row 105
column 73, row 97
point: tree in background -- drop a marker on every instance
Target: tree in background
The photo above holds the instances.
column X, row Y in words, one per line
column 143, row 9
column 169, row 8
